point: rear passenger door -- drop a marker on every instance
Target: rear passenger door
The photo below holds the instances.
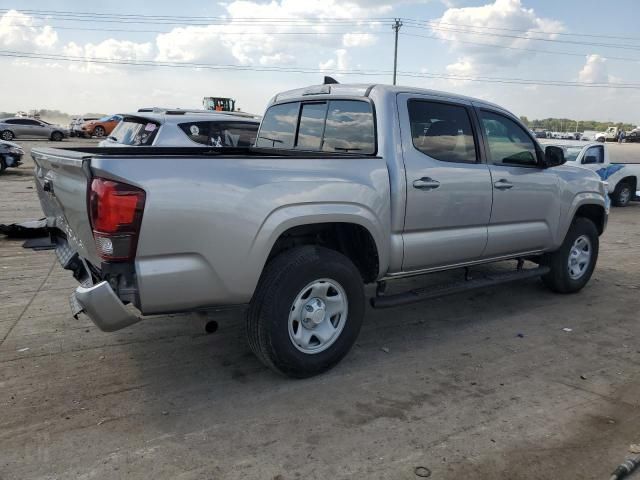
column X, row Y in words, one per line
column 448, row 186
column 526, row 196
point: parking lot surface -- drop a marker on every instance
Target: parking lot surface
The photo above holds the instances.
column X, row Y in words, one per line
column 511, row 382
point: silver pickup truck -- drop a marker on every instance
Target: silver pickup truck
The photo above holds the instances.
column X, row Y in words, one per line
column 346, row 185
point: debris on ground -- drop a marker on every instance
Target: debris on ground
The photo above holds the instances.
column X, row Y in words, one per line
column 634, row 448
column 567, row 329
column 625, row 468
column 422, row 472
column 23, row 349
column 520, row 335
column 582, row 377
column 385, row 349
column 28, row 229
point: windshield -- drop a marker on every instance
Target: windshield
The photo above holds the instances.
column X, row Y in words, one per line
column 135, row 132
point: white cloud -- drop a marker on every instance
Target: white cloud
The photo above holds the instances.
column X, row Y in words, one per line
column 595, row 70
column 340, row 62
column 504, row 17
column 17, row 30
column 358, row 39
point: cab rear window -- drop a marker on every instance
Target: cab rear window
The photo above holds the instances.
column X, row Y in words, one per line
column 329, row 126
column 221, row 134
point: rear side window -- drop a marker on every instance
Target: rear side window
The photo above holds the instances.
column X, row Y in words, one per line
column 333, row 126
column 135, row 132
column 278, row 128
column 349, row 127
column 221, row 134
column 442, row 131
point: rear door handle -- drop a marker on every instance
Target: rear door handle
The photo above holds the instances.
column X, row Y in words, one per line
column 426, row 183
column 503, row 184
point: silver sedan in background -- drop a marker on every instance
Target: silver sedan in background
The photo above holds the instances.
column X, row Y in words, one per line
column 21, row 127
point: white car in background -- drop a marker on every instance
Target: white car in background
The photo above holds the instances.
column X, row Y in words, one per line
column 184, row 128
column 623, row 179
column 75, row 127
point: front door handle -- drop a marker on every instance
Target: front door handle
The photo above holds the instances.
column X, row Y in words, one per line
column 503, row 184
column 426, row 183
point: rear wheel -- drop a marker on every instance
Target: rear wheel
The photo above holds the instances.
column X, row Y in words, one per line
column 306, row 312
column 7, row 135
column 622, row 195
column 573, row 263
column 98, row 131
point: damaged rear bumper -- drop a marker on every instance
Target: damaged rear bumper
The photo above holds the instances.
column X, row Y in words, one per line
column 100, row 303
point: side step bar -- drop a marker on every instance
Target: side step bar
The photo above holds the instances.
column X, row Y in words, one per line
column 427, row 293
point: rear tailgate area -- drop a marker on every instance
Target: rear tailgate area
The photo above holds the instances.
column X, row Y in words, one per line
column 62, row 180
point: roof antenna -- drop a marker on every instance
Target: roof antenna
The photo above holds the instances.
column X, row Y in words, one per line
column 330, row 81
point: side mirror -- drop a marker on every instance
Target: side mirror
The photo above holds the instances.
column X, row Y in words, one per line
column 553, row 156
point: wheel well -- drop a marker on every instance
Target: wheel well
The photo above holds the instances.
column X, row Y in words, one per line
column 350, row 239
column 595, row 213
column 632, row 181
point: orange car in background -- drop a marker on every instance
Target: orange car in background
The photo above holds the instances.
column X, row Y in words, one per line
column 100, row 127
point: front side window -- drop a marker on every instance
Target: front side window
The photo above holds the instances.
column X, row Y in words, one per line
column 508, row 143
column 593, row 155
column 442, row 131
column 278, row 127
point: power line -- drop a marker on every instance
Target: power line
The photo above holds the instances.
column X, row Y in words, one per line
column 534, row 50
column 96, row 16
column 304, row 70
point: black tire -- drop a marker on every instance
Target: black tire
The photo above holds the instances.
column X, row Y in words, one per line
column 622, row 194
column 7, row 135
column 3, row 165
column 282, row 281
column 57, row 136
column 98, row 131
column 559, row 279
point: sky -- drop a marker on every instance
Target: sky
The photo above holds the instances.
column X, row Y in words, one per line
column 472, row 47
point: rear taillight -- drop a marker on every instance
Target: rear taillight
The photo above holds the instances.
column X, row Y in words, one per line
column 115, row 210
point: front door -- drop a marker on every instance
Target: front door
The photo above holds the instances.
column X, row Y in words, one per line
column 526, row 197
column 448, row 187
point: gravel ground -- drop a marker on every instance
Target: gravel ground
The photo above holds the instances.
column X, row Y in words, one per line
column 484, row 385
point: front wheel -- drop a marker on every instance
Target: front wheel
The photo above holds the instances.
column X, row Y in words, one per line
column 57, row 136
column 7, row 135
column 622, row 195
column 306, row 312
column 573, row 263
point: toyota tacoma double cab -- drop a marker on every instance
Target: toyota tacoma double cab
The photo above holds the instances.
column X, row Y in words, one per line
column 346, row 185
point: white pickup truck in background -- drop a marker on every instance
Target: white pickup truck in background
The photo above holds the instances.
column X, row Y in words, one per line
column 623, row 178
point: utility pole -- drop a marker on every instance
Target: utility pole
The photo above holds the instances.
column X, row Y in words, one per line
column 396, row 26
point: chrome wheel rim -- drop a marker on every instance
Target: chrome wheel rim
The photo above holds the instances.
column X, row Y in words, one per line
column 625, row 194
column 579, row 257
column 318, row 316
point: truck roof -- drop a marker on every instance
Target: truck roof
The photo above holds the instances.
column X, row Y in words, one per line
column 364, row 89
